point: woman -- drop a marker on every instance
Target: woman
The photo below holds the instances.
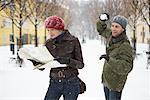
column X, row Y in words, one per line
column 67, row 50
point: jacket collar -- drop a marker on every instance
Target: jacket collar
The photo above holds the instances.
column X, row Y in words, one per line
column 115, row 40
column 67, row 35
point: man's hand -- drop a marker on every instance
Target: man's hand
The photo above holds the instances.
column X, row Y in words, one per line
column 104, row 56
column 101, row 26
column 63, row 60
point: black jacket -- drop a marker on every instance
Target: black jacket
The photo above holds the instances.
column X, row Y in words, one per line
column 68, row 46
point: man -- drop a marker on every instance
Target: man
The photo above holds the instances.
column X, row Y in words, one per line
column 118, row 58
column 66, row 49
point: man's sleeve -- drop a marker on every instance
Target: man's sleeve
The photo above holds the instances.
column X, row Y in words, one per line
column 102, row 29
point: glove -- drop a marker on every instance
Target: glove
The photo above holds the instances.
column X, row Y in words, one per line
column 63, row 60
column 101, row 26
column 35, row 63
column 148, row 52
column 41, row 69
column 104, row 56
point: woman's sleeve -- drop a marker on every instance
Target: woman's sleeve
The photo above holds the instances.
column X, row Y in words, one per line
column 77, row 62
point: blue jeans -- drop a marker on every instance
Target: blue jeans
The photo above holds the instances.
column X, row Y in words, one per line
column 112, row 95
column 69, row 88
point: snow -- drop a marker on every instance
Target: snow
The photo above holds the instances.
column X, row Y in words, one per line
column 27, row 84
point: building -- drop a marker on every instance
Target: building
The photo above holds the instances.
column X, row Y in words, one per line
column 28, row 31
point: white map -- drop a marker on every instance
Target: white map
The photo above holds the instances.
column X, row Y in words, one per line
column 39, row 54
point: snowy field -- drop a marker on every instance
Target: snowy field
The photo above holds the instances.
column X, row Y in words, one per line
column 27, row 84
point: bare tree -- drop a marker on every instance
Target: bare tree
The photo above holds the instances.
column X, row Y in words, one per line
column 113, row 8
column 96, row 7
column 37, row 10
column 65, row 12
column 61, row 8
column 144, row 9
column 133, row 13
column 10, row 15
column 3, row 4
column 20, row 16
column 16, row 11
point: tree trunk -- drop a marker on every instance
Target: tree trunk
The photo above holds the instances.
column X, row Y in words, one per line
column 45, row 34
column 36, row 39
column 134, row 39
column 20, row 30
column 13, row 52
column 143, row 34
column 20, row 38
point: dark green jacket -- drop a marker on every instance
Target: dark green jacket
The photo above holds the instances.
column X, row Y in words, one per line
column 120, row 63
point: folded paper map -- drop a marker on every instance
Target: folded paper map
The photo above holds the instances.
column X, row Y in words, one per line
column 39, row 54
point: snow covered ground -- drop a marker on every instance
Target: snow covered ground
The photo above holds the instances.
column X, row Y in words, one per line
column 27, row 84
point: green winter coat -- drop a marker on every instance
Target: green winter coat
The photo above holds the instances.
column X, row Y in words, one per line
column 120, row 63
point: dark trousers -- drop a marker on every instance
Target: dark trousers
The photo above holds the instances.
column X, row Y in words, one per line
column 69, row 88
column 112, row 95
